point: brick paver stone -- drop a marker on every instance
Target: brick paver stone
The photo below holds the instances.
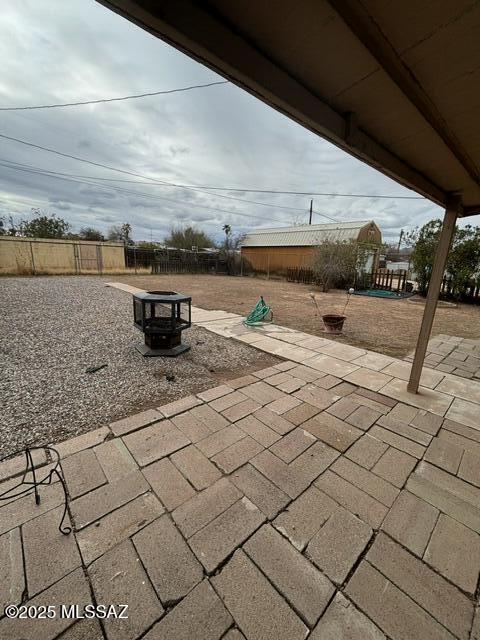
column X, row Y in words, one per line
column 85, row 441
column 441, row 599
column 343, row 408
column 343, row 621
column 366, row 451
column 330, row 382
column 196, row 467
column 293, row 444
column 405, row 430
column 403, row 412
column 301, row 413
column 241, row 410
column 411, row 522
column 137, row 421
column 220, row 440
column 96, row 504
column 263, row 493
column 12, row 580
column 237, row 454
column 16, row 466
column 337, row 545
column 235, row 634
column 378, row 398
column 470, row 468
column 213, row 420
column 377, row 487
column 258, row 609
column 289, row 386
column 205, row 506
column 191, row 426
column 363, row 417
column 115, row 459
column 122, row 523
column 118, row 577
column 305, row 516
column 454, row 550
column 287, row 479
column 168, row 483
column 227, row 401
column 155, row 442
column 218, row 539
column 47, row 563
column 13, row 514
column 258, row 430
column 453, row 485
column 168, row 560
column 214, row 393
column 86, row 629
column 312, row 462
column 352, row 498
column 282, row 405
column 395, row 466
column 72, row 589
column 262, row 393
column 306, row 589
column 306, row 373
column 274, row 421
column 82, row 473
column 238, row 383
column 399, row 442
column 315, row 396
column 179, row 406
column 366, row 401
column 391, row 609
column 200, row 615
column 444, row 454
column 335, row 432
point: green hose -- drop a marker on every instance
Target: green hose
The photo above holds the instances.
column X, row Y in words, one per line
column 258, row 314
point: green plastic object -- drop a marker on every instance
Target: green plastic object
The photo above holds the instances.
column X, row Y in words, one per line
column 259, row 313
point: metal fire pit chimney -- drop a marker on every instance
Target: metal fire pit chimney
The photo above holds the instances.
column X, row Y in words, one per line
column 162, row 316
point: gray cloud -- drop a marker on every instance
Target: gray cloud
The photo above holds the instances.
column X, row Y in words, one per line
column 60, row 52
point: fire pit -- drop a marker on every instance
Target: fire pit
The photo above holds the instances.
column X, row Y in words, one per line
column 162, row 316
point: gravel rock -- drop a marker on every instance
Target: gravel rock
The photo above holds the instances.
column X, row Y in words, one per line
column 52, row 329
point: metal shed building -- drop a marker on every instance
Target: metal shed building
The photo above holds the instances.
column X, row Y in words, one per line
column 281, row 248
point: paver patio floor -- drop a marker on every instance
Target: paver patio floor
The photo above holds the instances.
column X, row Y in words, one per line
column 302, row 500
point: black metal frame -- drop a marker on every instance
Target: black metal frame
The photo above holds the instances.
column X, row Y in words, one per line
column 36, row 482
column 162, row 333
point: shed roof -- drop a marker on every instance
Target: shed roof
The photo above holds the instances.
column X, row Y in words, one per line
column 304, row 235
column 396, row 84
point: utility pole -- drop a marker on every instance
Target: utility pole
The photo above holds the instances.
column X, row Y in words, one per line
column 400, row 240
column 311, row 211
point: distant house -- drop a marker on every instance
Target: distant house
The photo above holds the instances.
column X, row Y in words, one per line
column 282, row 248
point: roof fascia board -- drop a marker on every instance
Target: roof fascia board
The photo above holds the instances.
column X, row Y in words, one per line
column 190, row 28
column 364, row 27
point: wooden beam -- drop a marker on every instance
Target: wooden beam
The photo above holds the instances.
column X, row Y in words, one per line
column 366, row 29
column 190, row 27
column 452, row 211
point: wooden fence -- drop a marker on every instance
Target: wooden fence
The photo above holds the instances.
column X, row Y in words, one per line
column 304, row 275
column 389, row 280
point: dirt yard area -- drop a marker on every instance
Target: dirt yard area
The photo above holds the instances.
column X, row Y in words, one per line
column 383, row 325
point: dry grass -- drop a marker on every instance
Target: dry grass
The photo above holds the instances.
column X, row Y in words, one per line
column 383, row 325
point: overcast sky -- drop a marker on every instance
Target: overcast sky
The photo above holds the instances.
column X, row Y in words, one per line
column 55, row 51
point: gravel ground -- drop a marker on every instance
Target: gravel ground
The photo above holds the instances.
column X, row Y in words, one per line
column 52, row 329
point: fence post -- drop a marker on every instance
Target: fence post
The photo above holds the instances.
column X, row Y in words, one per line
column 34, row 271
column 135, row 258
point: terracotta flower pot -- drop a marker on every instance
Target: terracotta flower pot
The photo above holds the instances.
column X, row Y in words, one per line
column 333, row 323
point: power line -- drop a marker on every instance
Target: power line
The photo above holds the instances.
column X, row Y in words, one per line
column 197, row 187
column 83, row 177
column 140, row 194
column 101, row 100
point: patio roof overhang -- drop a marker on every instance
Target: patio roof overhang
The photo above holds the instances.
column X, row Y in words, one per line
column 395, row 84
